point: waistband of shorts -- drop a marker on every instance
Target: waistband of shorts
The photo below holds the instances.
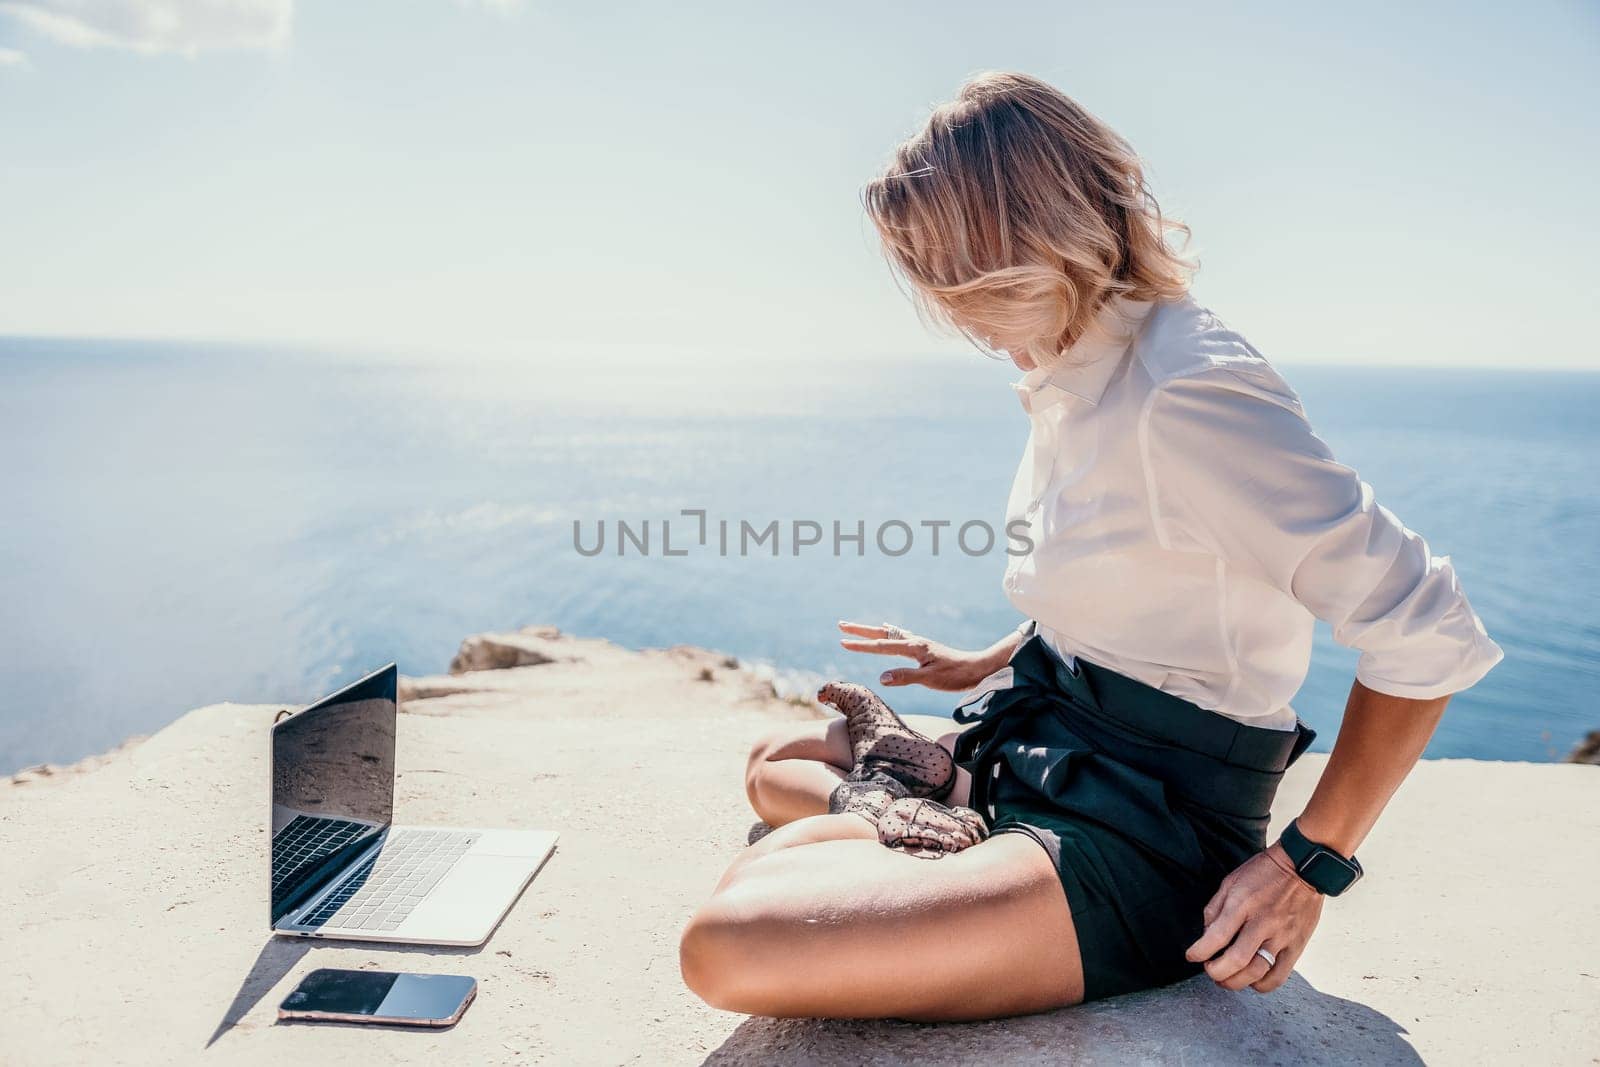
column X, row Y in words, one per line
column 1095, row 689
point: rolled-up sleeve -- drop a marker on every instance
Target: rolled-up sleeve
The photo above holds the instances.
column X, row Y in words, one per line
column 1234, row 467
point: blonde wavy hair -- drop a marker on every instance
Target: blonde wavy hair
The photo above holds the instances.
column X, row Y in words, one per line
column 1015, row 214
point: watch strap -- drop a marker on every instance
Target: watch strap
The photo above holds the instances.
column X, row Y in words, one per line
column 1324, row 869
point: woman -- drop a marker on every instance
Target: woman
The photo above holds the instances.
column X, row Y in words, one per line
column 1099, row 825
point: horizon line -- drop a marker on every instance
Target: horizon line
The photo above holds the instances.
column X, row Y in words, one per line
column 378, row 352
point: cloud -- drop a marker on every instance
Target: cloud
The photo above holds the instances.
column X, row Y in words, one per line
column 11, row 59
column 183, row 26
column 498, row 7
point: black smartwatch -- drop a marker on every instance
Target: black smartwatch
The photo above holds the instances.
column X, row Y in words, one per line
column 1324, row 869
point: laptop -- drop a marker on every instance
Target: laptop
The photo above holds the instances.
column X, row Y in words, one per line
column 341, row 869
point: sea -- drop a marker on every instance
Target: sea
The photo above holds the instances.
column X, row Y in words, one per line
column 186, row 523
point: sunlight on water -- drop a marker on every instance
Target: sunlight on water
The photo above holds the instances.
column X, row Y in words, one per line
column 186, row 526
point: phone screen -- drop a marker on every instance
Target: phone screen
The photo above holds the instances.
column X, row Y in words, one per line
column 381, row 996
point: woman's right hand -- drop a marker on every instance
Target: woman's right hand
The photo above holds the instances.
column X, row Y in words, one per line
column 941, row 667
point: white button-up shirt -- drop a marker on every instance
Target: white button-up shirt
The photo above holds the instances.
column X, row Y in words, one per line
column 1188, row 527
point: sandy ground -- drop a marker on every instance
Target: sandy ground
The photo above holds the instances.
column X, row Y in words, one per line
column 133, row 902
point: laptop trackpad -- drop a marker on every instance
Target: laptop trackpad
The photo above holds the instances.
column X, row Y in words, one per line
column 465, row 907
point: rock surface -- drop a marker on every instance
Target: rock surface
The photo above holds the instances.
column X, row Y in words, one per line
column 532, row 646
column 133, row 900
column 1587, row 750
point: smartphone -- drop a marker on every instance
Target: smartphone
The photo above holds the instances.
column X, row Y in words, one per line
column 330, row 995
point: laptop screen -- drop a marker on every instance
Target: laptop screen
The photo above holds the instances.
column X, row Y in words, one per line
column 332, row 785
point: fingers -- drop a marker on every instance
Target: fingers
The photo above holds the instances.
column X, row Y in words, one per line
column 1256, row 906
column 883, row 631
column 949, row 834
column 911, row 649
column 1228, row 932
column 1239, row 959
column 934, row 676
column 1222, row 923
column 921, row 827
column 1241, row 965
column 1253, row 970
column 887, row 640
column 880, row 632
column 1279, row 972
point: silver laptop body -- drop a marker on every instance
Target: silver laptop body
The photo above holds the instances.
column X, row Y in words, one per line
column 340, row 869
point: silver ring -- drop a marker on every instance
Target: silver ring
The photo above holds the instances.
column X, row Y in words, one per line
column 1272, row 961
column 894, row 631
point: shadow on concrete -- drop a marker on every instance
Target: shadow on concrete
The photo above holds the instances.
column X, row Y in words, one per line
column 280, row 955
column 276, row 959
column 1195, row 1021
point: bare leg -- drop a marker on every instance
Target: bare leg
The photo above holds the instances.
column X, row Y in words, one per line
column 793, row 770
column 808, row 924
column 807, row 831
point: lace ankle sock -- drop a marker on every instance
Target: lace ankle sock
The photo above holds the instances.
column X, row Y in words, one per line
column 881, row 743
column 868, row 797
column 928, row 828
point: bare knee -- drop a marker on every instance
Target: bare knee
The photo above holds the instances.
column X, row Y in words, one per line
column 756, row 764
column 719, row 957
column 739, row 951
column 783, row 795
column 702, row 955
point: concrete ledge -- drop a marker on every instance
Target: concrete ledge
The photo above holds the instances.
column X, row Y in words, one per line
column 134, row 900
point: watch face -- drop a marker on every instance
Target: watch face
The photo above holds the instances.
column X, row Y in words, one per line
column 1328, row 872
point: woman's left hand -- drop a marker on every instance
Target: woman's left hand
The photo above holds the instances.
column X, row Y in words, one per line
column 1262, row 904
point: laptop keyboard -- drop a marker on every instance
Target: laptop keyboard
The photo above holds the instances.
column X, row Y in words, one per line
column 298, row 846
column 385, row 888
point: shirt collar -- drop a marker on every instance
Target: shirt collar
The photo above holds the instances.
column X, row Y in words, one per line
column 1086, row 368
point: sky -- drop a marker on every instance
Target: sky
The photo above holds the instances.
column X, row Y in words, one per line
column 1370, row 183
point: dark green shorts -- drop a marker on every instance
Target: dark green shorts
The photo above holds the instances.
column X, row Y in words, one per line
column 1143, row 801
